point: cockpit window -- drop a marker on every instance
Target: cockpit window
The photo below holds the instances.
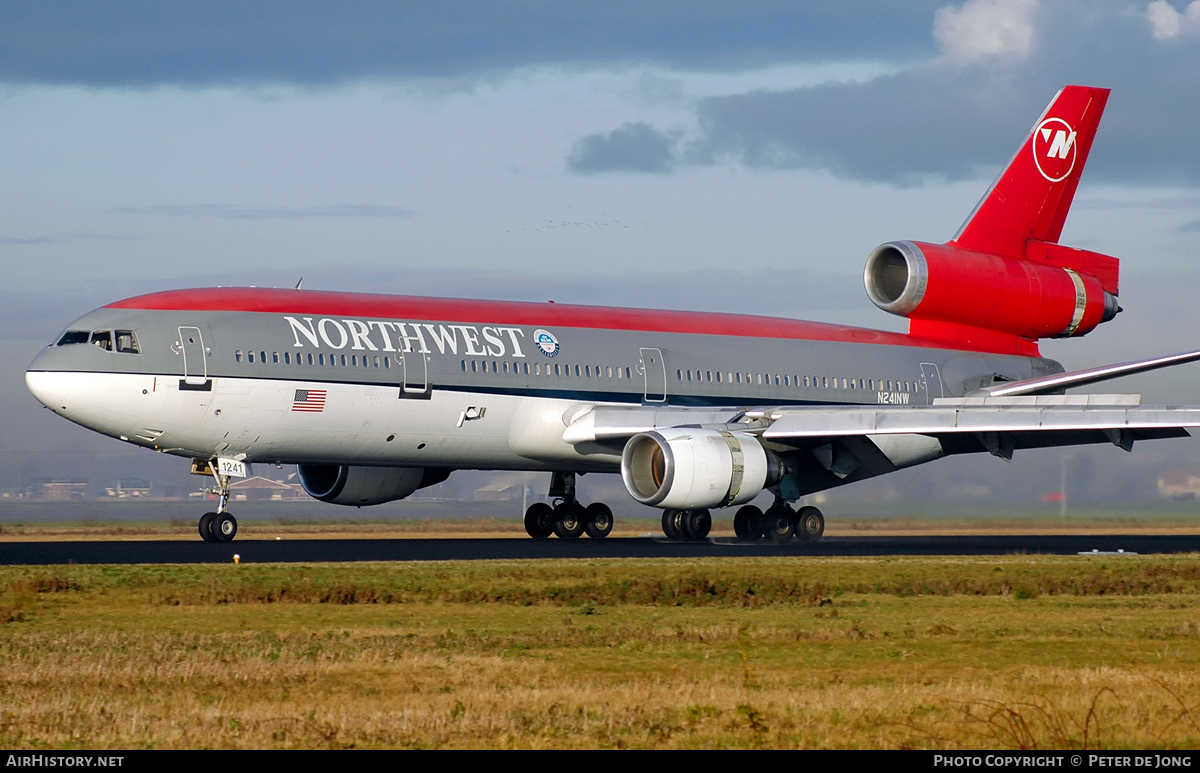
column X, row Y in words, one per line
column 127, row 342
column 103, row 339
column 74, row 337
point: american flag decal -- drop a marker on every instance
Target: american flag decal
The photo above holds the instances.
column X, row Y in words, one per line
column 309, row 400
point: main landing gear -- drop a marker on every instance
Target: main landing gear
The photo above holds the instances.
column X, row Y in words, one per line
column 567, row 519
column 220, row 526
column 686, row 524
column 780, row 523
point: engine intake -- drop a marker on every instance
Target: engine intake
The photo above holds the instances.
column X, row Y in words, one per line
column 341, row 484
column 692, row 469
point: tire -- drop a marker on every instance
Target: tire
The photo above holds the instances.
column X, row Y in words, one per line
column 224, row 527
column 206, row 527
column 780, row 521
column 539, row 520
column 597, row 520
column 746, row 523
column 670, row 524
column 698, row 524
column 810, row 524
column 568, row 521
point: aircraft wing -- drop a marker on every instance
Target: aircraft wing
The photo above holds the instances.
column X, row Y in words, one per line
column 996, row 424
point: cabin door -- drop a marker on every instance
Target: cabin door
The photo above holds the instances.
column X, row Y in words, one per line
column 416, row 375
column 195, row 361
column 931, row 382
column 655, row 372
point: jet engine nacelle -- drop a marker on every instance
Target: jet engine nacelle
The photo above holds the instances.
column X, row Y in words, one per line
column 1061, row 292
column 694, row 469
column 341, row 484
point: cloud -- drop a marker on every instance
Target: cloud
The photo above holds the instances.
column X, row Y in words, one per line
column 632, row 147
column 1190, row 227
column 238, row 212
column 140, row 43
column 1166, row 22
column 34, row 240
column 983, row 28
column 962, row 115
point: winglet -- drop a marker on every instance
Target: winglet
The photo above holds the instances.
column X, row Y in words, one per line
column 1031, row 198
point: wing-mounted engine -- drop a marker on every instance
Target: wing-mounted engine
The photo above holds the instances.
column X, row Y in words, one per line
column 1003, row 281
column 693, row 469
column 341, row 484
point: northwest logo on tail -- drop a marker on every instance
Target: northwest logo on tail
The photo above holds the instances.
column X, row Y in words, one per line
column 1054, row 149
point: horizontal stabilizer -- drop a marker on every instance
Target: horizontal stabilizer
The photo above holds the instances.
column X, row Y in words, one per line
column 1045, row 385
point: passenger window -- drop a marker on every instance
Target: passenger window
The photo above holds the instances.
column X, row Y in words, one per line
column 287, row 358
column 250, row 356
column 74, row 337
column 237, row 356
column 262, row 357
column 274, row 358
column 127, row 342
column 103, row 339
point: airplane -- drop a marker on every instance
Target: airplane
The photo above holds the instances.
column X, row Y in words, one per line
column 374, row 397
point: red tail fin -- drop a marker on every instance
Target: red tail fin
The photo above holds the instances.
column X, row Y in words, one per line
column 1030, row 200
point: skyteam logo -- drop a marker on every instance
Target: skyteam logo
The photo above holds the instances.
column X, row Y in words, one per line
column 547, row 344
column 1054, row 149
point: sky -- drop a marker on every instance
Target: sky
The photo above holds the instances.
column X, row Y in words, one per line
column 704, row 155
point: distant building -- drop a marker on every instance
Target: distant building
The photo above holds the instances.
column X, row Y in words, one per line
column 130, row 488
column 58, row 489
column 259, row 489
column 1180, row 484
column 500, row 491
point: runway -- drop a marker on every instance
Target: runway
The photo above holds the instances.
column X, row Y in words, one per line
column 311, row 551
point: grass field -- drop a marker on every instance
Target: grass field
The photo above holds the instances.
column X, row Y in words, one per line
column 1012, row 652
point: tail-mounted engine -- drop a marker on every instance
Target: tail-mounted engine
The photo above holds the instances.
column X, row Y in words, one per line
column 695, row 469
column 943, row 288
column 341, row 484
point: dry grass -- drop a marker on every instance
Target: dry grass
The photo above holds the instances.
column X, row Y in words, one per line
column 1016, row 652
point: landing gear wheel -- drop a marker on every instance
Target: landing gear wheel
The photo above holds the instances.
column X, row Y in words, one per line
column 597, row 520
column 206, row 527
column 697, row 524
column 539, row 520
column 810, row 524
column 672, row 521
column 780, row 522
column 747, row 524
column 224, row 527
column 568, row 520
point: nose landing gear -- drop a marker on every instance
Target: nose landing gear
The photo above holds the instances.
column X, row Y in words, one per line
column 220, row 526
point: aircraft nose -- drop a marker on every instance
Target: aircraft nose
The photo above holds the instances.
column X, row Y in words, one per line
column 50, row 388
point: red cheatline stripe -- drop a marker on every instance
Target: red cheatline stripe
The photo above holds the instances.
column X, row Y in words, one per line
column 400, row 307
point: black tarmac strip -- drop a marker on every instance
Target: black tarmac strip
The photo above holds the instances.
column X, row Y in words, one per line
column 312, row 551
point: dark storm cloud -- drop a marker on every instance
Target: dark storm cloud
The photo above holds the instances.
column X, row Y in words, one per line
column 951, row 120
column 236, row 212
column 633, row 147
column 141, row 43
